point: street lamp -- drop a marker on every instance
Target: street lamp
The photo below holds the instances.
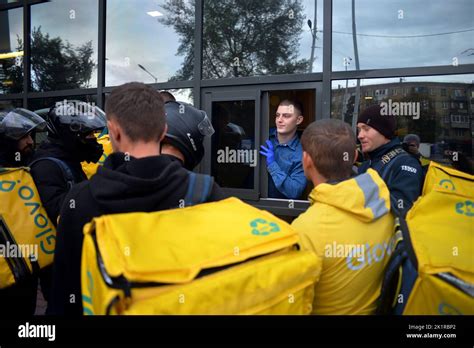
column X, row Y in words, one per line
column 149, row 73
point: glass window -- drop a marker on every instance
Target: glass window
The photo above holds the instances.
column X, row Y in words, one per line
column 64, row 45
column 402, row 33
column 233, row 159
column 10, row 104
column 266, row 37
column 11, row 51
column 420, row 112
column 149, row 41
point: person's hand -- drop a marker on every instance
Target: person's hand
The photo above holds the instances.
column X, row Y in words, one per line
column 269, row 153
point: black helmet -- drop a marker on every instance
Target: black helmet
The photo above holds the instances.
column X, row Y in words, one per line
column 73, row 116
column 70, row 122
column 187, row 127
column 19, row 122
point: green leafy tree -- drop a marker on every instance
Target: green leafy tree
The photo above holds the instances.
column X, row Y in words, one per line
column 55, row 64
column 240, row 37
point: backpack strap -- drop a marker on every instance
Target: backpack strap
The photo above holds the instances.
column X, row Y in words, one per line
column 400, row 273
column 199, row 189
column 67, row 172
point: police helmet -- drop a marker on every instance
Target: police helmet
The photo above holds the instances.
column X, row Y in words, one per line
column 187, row 127
column 73, row 116
column 19, row 122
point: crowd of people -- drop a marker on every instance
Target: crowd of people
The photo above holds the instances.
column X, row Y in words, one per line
column 157, row 140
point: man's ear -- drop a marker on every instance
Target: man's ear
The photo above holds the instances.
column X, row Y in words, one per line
column 299, row 119
column 356, row 154
column 164, row 132
column 307, row 161
column 115, row 134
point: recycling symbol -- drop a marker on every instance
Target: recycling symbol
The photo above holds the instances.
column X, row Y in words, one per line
column 261, row 227
column 447, row 184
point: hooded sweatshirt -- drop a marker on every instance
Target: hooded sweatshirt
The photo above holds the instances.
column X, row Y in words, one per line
column 122, row 185
column 349, row 226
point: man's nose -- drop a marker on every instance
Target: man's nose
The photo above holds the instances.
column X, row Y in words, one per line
column 29, row 140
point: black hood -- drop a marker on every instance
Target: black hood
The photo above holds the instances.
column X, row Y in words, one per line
column 144, row 184
column 57, row 150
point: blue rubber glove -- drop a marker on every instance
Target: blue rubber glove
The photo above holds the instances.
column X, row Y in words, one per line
column 269, row 153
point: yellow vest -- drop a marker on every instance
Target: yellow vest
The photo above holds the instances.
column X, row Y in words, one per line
column 27, row 236
column 350, row 227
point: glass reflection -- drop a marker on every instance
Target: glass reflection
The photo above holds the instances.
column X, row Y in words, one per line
column 267, row 37
column 401, row 33
column 11, row 51
column 149, row 41
column 233, row 153
column 64, row 45
column 438, row 109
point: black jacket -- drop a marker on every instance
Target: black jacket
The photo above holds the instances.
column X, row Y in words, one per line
column 138, row 185
column 404, row 178
column 49, row 179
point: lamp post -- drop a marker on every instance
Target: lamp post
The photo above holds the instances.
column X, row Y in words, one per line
column 347, row 61
column 313, row 34
column 149, row 73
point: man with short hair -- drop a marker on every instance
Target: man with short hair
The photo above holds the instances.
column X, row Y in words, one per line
column 283, row 153
column 401, row 172
column 134, row 178
column 348, row 224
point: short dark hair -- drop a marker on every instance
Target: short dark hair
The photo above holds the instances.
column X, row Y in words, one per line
column 331, row 144
column 167, row 96
column 296, row 105
column 139, row 109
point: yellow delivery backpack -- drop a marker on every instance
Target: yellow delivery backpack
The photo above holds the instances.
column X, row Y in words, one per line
column 223, row 257
column 91, row 168
column 431, row 271
column 27, row 236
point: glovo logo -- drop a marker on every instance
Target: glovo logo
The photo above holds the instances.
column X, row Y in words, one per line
column 465, row 208
column 26, row 194
column 261, row 227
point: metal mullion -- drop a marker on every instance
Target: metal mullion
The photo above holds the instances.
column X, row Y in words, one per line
column 259, row 80
column 405, row 72
column 198, row 29
column 102, row 32
column 327, row 58
column 62, row 93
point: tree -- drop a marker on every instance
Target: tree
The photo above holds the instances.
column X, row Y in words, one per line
column 240, row 37
column 55, row 65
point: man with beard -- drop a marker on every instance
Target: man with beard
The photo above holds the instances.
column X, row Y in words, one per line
column 56, row 165
column 17, row 129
